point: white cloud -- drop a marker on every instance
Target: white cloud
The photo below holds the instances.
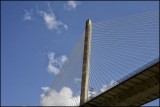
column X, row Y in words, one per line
column 50, row 19
column 65, row 26
column 53, row 69
column 45, row 89
column 62, row 98
column 71, row 5
column 55, row 64
column 28, row 15
column 93, row 93
column 42, row 95
column 107, row 87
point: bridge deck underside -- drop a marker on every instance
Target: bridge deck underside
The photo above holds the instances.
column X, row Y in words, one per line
column 135, row 91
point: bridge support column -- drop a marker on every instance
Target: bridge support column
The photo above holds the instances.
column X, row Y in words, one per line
column 86, row 63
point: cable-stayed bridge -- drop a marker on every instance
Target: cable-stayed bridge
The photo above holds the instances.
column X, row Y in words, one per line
column 114, row 63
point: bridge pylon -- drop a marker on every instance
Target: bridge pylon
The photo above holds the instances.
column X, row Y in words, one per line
column 86, row 63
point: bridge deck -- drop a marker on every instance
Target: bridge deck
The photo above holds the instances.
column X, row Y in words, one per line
column 135, row 91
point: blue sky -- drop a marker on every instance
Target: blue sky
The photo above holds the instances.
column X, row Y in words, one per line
column 38, row 36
